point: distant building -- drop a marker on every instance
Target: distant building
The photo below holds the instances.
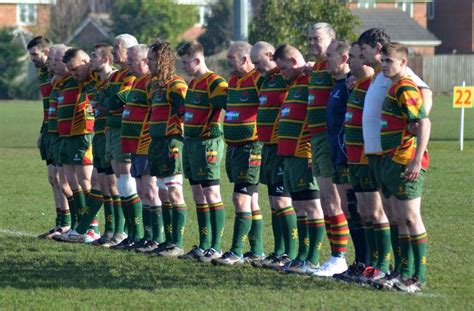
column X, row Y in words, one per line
column 452, row 22
column 405, row 21
column 26, row 15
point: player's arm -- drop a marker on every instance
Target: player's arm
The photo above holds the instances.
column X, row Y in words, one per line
column 218, row 93
column 177, row 96
column 411, row 102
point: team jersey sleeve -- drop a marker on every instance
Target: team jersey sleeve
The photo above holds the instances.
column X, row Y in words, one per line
column 125, row 88
column 218, row 93
column 411, row 102
column 177, row 94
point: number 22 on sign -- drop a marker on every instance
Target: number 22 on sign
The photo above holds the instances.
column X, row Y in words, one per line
column 463, row 96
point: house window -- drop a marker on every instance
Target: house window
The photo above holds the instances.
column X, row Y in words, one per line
column 366, row 4
column 430, row 10
column 405, row 6
column 26, row 14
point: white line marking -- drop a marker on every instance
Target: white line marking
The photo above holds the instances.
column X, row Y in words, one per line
column 17, row 233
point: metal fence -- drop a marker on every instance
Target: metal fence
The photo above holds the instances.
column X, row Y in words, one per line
column 442, row 72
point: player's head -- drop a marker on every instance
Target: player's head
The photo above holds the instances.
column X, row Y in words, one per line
column 57, row 64
column 356, row 63
column 262, row 56
column 137, row 59
column 290, row 61
column 238, row 58
column 50, row 58
column 337, row 56
column 320, row 36
column 371, row 42
column 38, row 50
column 121, row 45
column 101, row 56
column 78, row 63
column 162, row 61
column 394, row 59
column 192, row 57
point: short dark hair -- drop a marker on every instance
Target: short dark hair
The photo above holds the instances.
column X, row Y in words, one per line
column 282, row 52
column 395, row 49
column 190, row 48
column 70, row 54
column 40, row 41
column 373, row 36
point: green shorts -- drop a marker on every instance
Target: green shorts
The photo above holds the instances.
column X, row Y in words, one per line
column 43, row 147
column 54, row 148
column 76, row 150
column 113, row 146
column 242, row 163
column 394, row 184
column 375, row 169
column 165, row 156
column 202, row 158
column 298, row 175
column 98, row 151
column 321, row 155
column 361, row 180
column 341, row 175
column 272, row 168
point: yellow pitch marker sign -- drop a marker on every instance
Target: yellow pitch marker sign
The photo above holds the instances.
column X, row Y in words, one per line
column 463, row 96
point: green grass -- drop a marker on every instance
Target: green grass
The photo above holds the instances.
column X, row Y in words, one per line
column 36, row 274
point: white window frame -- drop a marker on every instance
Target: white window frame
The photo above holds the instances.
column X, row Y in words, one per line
column 402, row 4
column 18, row 15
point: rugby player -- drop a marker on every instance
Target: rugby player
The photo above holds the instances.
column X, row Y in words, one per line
column 204, row 149
column 243, row 156
column 294, row 146
column 320, row 36
column 166, row 93
column 405, row 160
column 117, row 89
column 271, row 96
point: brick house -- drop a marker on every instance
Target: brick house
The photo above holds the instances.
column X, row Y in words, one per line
column 452, row 22
column 404, row 20
column 31, row 16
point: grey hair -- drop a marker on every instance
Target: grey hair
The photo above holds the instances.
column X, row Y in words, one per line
column 263, row 46
column 127, row 40
column 326, row 27
column 142, row 50
column 243, row 48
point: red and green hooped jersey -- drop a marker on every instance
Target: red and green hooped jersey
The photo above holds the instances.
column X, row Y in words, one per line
column 294, row 138
column 98, row 103
column 353, row 138
column 319, row 90
column 75, row 113
column 205, row 99
column 119, row 85
column 240, row 121
column 45, row 89
column 271, row 96
column 167, row 107
column 55, row 97
column 402, row 105
column 135, row 118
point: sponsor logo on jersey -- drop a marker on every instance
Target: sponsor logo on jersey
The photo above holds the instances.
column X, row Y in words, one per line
column 232, row 115
column 262, row 100
column 126, row 113
column 311, row 98
column 285, row 112
column 348, row 116
column 188, row 116
column 244, row 96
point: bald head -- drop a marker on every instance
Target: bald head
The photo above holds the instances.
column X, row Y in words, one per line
column 290, row 61
column 262, row 56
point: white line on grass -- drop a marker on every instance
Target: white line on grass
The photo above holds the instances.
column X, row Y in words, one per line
column 17, row 233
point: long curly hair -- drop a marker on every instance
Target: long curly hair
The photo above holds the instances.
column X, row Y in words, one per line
column 165, row 58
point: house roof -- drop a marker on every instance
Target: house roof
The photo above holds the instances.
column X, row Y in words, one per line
column 99, row 24
column 398, row 25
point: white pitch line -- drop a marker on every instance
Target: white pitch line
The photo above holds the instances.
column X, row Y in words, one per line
column 17, row 233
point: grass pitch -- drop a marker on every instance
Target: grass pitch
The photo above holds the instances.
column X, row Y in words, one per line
column 36, row 274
